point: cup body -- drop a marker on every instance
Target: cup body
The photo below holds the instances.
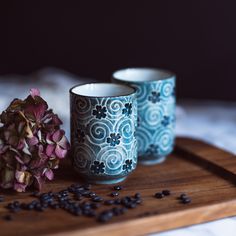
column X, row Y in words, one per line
column 156, row 111
column 103, row 123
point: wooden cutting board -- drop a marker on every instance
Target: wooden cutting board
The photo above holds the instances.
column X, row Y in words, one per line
column 205, row 173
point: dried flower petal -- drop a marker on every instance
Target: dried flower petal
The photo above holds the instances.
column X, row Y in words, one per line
column 20, row 187
column 31, row 143
column 49, row 174
column 34, row 92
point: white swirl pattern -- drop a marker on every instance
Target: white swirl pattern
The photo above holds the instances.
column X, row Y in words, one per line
column 143, row 137
column 167, row 89
column 114, row 108
column 165, row 140
column 99, row 130
column 141, row 94
column 113, row 159
column 81, row 155
column 153, row 116
column 126, row 127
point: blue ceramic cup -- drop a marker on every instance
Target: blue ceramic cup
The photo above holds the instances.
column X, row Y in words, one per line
column 156, row 110
column 103, row 123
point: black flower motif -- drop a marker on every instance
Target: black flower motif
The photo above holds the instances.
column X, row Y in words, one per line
column 114, row 139
column 155, row 97
column 128, row 109
column 165, row 121
column 128, row 165
column 100, row 112
column 97, row 167
column 152, row 150
column 80, row 135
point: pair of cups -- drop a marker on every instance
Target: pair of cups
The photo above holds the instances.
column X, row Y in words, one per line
column 115, row 125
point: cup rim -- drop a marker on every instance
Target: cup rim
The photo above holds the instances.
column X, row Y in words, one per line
column 170, row 75
column 103, row 83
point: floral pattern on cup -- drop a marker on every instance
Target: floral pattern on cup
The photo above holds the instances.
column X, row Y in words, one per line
column 114, row 139
column 97, row 167
column 102, row 135
column 128, row 109
column 156, row 113
column 128, row 165
column 155, row 97
column 100, row 112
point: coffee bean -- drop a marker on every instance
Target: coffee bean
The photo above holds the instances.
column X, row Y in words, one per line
column 159, row 195
column 131, row 205
column 16, row 204
column 117, row 187
column 97, row 199
column 138, row 200
column 105, row 216
column 85, row 193
column 30, row 206
column 38, row 207
column 114, row 194
column 92, row 194
column 166, row 192
column 183, row 195
column 186, row 200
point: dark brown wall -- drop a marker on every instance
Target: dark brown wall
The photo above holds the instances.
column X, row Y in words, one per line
column 195, row 39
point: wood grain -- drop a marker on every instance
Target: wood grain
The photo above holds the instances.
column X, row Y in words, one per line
column 205, row 173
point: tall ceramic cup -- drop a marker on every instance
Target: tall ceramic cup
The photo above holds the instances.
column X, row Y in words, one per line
column 156, row 110
column 103, row 123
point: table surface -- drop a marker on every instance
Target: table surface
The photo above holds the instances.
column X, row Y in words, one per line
column 213, row 122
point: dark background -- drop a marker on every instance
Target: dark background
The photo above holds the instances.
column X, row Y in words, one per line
column 194, row 39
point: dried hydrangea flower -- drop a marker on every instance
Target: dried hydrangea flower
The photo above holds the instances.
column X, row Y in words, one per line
column 31, row 143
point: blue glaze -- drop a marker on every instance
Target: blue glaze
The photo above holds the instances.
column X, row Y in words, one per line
column 156, row 117
column 104, row 147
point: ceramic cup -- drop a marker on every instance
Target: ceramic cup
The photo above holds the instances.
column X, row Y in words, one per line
column 103, row 123
column 156, row 110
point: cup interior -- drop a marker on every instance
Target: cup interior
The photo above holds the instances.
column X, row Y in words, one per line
column 141, row 74
column 102, row 90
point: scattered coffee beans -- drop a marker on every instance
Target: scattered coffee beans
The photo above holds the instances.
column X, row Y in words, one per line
column 79, row 200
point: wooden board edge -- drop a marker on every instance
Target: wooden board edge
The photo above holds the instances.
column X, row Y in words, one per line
column 159, row 223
